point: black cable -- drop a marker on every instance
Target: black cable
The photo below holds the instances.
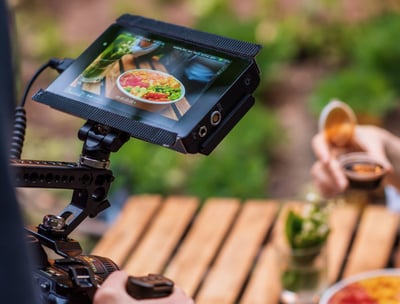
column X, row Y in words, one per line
column 30, row 83
column 18, row 134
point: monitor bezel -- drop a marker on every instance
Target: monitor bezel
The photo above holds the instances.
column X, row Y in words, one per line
column 160, row 131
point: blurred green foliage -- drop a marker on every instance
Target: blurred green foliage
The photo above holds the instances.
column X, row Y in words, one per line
column 370, row 79
column 367, row 91
column 376, row 48
column 272, row 56
column 44, row 36
column 237, row 167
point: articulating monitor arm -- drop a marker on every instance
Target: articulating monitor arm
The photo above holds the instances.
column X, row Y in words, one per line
column 90, row 180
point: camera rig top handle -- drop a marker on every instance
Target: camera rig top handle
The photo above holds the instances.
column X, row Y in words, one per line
column 90, row 180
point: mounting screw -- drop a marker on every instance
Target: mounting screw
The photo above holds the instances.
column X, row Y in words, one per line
column 53, row 222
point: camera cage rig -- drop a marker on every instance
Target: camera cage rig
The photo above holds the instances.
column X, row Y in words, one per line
column 89, row 178
column 105, row 131
column 212, row 110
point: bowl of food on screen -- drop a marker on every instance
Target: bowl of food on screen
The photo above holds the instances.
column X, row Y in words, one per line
column 362, row 170
column 150, row 90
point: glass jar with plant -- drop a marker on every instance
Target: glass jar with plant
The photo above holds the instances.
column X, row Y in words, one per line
column 303, row 261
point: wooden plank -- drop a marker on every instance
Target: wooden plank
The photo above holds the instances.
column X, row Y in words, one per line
column 264, row 286
column 374, row 240
column 163, row 236
column 343, row 220
column 127, row 229
column 202, row 243
column 92, row 87
column 234, row 263
column 112, row 75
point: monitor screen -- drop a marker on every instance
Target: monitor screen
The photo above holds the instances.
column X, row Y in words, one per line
column 158, row 81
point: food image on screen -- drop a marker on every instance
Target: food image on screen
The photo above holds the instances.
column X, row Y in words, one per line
column 148, row 75
column 149, row 85
column 149, row 89
column 123, row 44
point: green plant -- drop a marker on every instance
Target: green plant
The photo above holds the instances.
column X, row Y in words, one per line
column 308, row 229
column 220, row 18
column 375, row 48
column 367, row 92
column 306, row 233
column 237, row 167
column 370, row 82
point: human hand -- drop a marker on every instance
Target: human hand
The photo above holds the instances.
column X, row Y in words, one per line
column 327, row 173
column 113, row 291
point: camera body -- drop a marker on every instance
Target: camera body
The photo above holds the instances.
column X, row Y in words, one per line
column 76, row 279
column 69, row 280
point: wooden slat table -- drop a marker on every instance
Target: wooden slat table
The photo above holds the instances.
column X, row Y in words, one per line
column 222, row 251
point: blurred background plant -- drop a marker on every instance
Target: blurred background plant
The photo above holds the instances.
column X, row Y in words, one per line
column 239, row 167
column 313, row 51
column 368, row 80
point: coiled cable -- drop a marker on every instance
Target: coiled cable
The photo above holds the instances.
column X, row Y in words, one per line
column 18, row 133
column 19, row 127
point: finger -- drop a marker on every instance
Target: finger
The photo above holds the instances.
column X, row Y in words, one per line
column 325, row 181
column 180, row 296
column 338, row 175
column 321, row 147
column 372, row 141
column 116, row 279
column 113, row 290
column 322, row 180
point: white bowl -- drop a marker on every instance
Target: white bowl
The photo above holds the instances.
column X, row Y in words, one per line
column 145, row 103
column 328, row 295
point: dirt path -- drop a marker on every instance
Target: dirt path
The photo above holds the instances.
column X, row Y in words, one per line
column 290, row 171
